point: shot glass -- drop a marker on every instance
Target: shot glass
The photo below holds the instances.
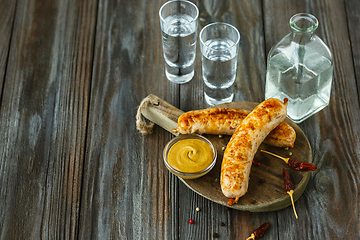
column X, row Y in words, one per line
column 219, row 44
column 179, row 21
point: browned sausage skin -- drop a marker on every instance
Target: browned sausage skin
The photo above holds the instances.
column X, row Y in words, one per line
column 240, row 151
column 224, row 121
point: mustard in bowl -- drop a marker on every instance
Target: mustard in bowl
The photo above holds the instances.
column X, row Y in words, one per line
column 189, row 156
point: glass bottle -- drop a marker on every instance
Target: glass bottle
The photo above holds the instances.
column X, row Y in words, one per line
column 300, row 68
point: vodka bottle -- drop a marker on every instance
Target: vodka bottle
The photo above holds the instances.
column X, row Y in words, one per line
column 300, row 68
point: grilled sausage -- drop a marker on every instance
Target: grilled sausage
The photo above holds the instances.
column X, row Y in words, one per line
column 224, row 121
column 240, row 151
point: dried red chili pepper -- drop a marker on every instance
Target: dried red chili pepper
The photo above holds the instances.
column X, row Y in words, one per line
column 260, row 231
column 302, row 166
column 288, row 184
column 289, row 188
column 297, row 165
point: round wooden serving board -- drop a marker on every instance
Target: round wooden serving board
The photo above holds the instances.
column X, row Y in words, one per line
column 266, row 188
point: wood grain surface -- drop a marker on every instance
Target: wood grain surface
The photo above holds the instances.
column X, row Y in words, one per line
column 74, row 166
column 43, row 118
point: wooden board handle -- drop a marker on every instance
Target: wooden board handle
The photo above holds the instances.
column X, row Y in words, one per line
column 157, row 111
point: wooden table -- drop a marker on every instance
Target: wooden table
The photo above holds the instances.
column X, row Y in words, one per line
column 72, row 163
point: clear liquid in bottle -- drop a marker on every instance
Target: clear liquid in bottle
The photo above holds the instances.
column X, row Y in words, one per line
column 300, row 68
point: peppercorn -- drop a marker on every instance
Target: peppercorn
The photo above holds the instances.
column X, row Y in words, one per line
column 216, row 235
column 191, row 221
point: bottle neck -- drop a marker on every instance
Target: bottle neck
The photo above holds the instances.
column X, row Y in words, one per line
column 302, row 38
column 303, row 26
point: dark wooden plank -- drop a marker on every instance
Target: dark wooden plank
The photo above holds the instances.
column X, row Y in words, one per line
column 127, row 191
column 43, row 119
column 328, row 208
column 353, row 19
column 7, row 12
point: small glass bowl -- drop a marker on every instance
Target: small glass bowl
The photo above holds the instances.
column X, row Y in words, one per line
column 187, row 175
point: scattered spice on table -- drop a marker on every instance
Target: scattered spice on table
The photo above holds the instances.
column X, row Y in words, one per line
column 198, row 209
column 191, row 221
column 260, row 231
column 256, row 163
column 289, row 188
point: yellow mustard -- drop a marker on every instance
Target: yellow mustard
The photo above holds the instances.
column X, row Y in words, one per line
column 190, row 155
